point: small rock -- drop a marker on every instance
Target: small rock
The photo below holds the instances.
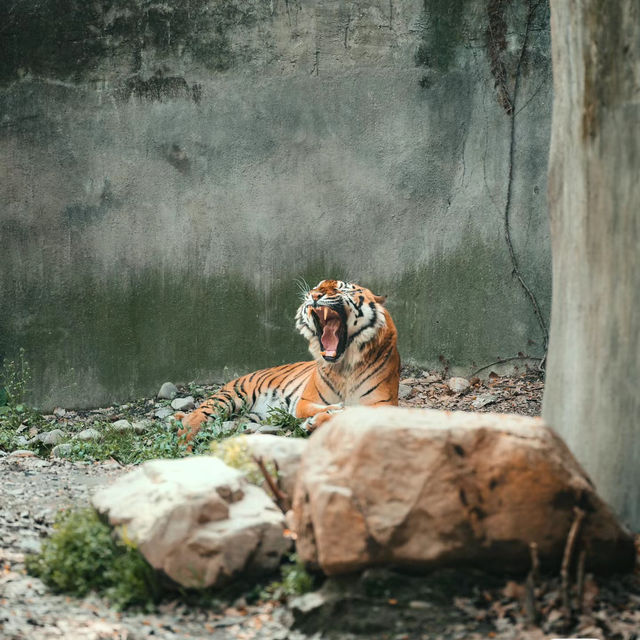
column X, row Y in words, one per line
column 308, row 602
column 22, row 453
column 88, row 435
column 50, row 438
column 122, row 426
column 183, row 404
column 484, row 400
column 404, row 391
column 22, row 441
column 163, row 412
column 168, row 391
column 228, row 427
column 458, row 385
column 61, row 450
column 269, row 429
column 59, row 412
column 249, row 427
column 142, row 425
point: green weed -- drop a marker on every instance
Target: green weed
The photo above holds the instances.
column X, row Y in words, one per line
column 15, row 415
column 295, row 581
column 161, row 440
column 82, row 555
column 278, row 417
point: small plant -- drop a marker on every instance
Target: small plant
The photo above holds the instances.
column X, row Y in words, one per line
column 14, row 380
column 210, row 431
column 82, row 556
column 279, row 417
column 196, row 390
column 15, row 376
column 296, row 580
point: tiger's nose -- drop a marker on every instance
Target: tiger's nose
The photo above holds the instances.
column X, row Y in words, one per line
column 316, row 295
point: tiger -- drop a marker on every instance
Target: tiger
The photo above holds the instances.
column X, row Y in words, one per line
column 353, row 341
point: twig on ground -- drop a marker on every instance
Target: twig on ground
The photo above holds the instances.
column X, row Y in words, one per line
column 580, row 580
column 566, row 559
column 530, row 586
column 282, row 499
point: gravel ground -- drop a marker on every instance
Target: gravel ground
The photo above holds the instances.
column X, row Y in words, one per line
column 33, row 489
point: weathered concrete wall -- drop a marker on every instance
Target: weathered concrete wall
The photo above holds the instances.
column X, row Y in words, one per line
column 166, row 175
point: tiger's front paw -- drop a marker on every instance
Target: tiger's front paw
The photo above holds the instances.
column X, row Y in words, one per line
column 312, row 423
column 191, row 423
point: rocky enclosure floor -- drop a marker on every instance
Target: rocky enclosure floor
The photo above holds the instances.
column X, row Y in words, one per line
column 34, row 489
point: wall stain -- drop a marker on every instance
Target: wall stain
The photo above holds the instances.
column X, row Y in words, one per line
column 443, row 30
column 73, row 39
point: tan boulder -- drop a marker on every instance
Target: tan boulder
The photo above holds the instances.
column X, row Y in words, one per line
column 423, row 488
column 196, row 519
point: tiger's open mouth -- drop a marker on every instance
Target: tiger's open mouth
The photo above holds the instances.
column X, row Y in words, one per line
column 331, row 331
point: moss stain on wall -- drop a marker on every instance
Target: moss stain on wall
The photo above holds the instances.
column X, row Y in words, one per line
column 444, row 29
column 70, row 39
column 157, row 326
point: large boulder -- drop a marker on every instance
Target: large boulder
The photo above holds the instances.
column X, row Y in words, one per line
column 196, row 519
column 423, row 488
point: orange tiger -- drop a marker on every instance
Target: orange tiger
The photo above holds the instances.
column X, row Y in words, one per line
column 354, row 344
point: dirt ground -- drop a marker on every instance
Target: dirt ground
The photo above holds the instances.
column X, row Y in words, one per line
column 450, row 605
column 518, row 393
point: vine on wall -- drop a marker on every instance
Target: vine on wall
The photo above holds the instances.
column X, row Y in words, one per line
column 507, row 97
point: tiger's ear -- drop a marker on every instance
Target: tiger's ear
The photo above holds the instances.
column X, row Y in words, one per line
column 380, row 299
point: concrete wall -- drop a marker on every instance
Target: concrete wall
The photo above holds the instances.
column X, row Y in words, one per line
column 168, row 170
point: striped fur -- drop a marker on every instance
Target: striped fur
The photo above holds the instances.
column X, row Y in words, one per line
column 353, row 341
